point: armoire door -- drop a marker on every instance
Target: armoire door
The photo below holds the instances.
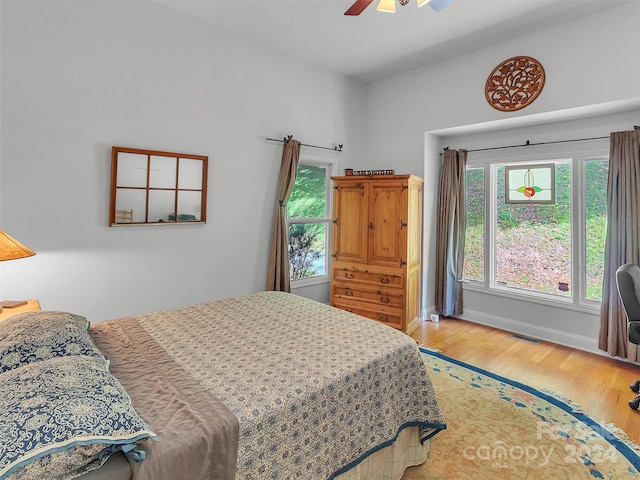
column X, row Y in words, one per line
column 350, row 222
column 387, row 224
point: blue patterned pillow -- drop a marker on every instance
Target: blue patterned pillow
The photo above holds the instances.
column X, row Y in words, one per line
column 34, row 336
column 63, row 417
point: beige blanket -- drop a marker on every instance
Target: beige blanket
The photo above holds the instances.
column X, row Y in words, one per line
column 198, row 434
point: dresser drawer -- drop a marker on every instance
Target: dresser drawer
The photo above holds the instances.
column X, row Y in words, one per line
column 389, row 317
column 385, row 279
column 354, row 291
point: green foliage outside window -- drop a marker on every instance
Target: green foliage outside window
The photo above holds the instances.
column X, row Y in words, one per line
column 474, row 239
column 307, row 199
column 307, row 213
column 595, row 180
column 304, row 250
column 533, row 242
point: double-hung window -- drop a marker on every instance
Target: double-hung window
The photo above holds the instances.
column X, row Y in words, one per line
column 553, row 251
column 308, row 221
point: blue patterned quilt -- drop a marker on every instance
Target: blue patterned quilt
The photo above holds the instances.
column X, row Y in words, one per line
column 315, row 389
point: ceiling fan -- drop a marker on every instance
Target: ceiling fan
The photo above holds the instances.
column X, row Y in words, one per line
column 390, row 5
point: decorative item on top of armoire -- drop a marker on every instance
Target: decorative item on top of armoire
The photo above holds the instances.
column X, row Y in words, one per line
column 12, row 249
column 368, row 173
column 514, row 83
column 377, row 248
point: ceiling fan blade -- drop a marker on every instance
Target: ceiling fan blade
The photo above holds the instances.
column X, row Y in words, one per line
column 358, row 7
column 438, row 5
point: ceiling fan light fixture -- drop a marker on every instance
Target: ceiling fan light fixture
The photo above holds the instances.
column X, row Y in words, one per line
column 387, row 6
column 390, row 5
column 437, row 5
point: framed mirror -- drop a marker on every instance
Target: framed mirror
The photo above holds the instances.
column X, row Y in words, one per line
column 150, row 187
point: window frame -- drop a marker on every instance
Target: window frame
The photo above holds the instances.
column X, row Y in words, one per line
column 330, row 169
column 578, row 154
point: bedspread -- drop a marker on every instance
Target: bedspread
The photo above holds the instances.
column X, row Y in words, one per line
column 314, row 389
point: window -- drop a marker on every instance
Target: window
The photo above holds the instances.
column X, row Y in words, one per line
column 533, row 242
column 595, row 226
column 308, row 217
column 474, row 240
column 550, row 251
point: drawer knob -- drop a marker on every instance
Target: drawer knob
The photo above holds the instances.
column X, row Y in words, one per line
column 385, row 280
column 348, row 275
column 384, row 318
column 384, row 299
column 348, row 292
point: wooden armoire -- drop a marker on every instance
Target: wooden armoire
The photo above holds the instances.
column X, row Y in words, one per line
column 377, row 248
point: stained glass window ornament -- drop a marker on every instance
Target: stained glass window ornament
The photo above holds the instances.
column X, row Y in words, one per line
column 530, row 184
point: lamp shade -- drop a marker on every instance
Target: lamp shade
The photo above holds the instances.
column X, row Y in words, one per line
column 11, row 249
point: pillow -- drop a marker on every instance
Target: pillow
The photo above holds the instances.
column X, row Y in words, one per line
column 62, row 417
column 34, row 336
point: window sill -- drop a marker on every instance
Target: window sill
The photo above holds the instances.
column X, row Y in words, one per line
column 565, row 303
column 307, row 282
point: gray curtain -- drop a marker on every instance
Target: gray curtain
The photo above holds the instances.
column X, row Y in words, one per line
column 278, row 278
column 622, row 244
column 450, row 233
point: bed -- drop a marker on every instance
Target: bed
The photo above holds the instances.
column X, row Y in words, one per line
column 262, row 386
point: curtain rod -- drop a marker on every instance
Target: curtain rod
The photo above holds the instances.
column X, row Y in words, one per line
column 529, row 144
column 289, row 137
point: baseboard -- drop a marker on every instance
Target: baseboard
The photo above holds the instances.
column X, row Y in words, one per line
column 413, row 325
column 534, row 331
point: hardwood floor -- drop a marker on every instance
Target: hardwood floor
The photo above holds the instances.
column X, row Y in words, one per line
column 598, row 383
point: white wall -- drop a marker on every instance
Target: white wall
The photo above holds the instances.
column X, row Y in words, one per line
column 79, row 77
column 591, row 65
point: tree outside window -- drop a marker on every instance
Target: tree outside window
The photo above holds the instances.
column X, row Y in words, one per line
column 308, row 220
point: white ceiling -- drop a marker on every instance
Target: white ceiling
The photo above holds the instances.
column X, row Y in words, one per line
column 376, row 44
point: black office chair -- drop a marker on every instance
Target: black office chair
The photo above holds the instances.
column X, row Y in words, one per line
column 628, row 280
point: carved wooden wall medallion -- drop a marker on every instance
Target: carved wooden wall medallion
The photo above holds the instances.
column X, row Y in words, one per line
column 514, row 84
